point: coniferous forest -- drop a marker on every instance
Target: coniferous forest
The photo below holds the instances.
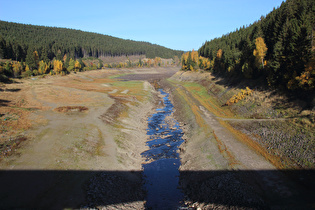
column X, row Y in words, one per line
column 17, row 39
column 278, row 48
column 36, row 50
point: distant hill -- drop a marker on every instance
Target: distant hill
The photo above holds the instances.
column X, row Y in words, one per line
column 16, row 39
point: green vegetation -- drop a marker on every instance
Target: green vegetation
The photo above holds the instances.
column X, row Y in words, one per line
column 34, row 67
column 17, row 41
column 200, row 94
column 192, row 61
column 279, row 49
column 27, row 50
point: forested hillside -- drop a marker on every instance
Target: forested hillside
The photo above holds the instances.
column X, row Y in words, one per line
column 16, row 40
column 279, row 49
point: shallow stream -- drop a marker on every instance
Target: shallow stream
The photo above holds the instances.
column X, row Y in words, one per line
column 160, row 171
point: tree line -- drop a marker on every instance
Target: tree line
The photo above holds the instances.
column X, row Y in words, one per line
column 33, row 66
column 146, row 62
column 17, row 41
column 278, row 48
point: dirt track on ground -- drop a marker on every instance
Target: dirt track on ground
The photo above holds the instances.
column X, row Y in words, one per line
column 85, row 133
column 223, row 167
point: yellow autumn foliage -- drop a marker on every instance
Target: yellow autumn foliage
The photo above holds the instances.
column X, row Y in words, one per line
column 17, row 68
column 260, row 51
column 219, row 54
column 58, row 66
column 307, row 78
column 157, row 61
column 239, row 96
column 43, row 68
column 192, row 60
column 77, row 66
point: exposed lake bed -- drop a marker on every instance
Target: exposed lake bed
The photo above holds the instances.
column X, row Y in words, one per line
column 99, row 158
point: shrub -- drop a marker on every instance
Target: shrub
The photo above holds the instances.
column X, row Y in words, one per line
column 239, row 96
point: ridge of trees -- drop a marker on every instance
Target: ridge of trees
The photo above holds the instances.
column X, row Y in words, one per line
column 17, row 41
column 278, row 48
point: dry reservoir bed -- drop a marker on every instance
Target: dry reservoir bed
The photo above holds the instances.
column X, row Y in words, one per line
column 76, row 141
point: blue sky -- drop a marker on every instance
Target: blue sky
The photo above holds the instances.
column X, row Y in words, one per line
column 176, row 24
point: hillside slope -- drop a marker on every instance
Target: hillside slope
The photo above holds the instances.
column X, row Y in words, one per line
column 16, row 39
column 279, row 48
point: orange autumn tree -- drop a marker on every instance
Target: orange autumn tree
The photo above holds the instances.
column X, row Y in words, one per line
column 184, row 59
column 58, row 66
column 205, row 63
column 218, row 63
column 17, row 68
column 219, row 54
column 43, row 67
column 194, row 56
column 64, row 58
column 77, row 66
column 260, row 51
column 187, row 62
column 157, row 61
column 192, row 61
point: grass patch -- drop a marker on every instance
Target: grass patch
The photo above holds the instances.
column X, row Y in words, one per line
column 65, row 109
column 200, row 93
column 117, row 76
column 135, row 90
column 196, row 111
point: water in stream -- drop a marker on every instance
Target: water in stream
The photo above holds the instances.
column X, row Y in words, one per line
column 161, row 173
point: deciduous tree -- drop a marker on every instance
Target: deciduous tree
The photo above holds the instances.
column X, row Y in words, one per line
column 17, row 68
column 58, row 66
column 260, row 51
column 77, row 66
column 71, row 65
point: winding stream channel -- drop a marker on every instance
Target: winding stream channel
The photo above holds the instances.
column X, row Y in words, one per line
column 160, row 171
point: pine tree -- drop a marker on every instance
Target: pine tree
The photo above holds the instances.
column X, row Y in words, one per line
column 31, row 59
column 189, row 62
column 44, row 55
column 2, row 47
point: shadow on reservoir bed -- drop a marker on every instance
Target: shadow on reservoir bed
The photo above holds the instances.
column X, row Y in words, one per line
column 29, row 189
